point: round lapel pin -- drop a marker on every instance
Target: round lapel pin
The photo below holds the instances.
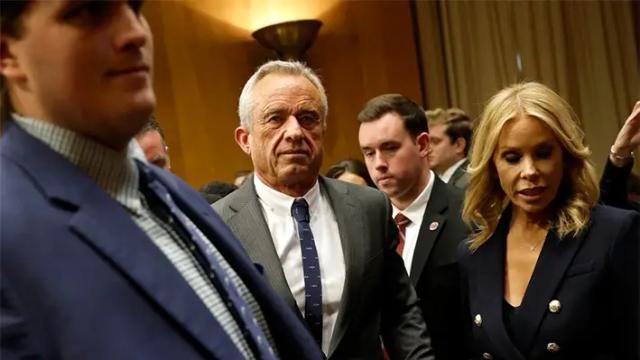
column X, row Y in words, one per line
column 433, row 225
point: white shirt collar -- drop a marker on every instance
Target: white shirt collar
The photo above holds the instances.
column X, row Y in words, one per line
column 415, row 211
column 447, row 174
column 281, row 203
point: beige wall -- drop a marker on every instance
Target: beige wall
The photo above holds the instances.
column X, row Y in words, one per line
column 204, row 53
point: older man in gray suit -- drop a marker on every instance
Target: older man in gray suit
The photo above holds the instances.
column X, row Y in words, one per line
column 326, row 246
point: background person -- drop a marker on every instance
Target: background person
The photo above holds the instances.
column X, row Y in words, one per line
column 617, row 180
column 394, row 138
column 548, row 274
column 350, row 170
column 450, row 134
column 240, row 177
column 151, row 140
column 216, row 190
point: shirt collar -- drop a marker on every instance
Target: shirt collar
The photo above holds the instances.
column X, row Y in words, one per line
column 447, row 174
column 281, row 203
column 415, row 210
column 115, row 172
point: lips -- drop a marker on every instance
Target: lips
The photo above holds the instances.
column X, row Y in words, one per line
column 131, row 70
column 532, row 192
column 383, row 179
column 294, row 152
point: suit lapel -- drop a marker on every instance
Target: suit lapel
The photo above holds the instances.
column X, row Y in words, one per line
column 108, row 229
column 147, row 266
column 249, row 225
column 554, row 260
column 460, row 171
column 428, row 235
column 487, row 288
column 349, row 217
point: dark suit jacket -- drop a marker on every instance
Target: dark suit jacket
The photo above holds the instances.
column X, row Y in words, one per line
column 80, row 280
column 378, row 297
column 594, row 276
column 434, row 271
column 613, row 186
column 460, row 177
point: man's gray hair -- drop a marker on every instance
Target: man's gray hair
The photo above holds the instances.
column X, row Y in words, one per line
column 246, row 102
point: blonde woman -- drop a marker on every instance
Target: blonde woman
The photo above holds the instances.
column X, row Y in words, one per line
column 548, row 274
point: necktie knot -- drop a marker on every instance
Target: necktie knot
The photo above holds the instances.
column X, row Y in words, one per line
column 300, row 210
column 401, row 220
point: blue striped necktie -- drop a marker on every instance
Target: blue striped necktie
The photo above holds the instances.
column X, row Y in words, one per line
column 198, row 246
column 311, row 268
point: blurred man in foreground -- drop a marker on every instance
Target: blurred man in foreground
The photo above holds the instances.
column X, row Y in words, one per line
column 102, row 255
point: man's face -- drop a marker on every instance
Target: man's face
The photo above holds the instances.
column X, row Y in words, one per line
column 285, row 141
column 444, row 151
column 84, row 65
column 395, row 160
column 154, row 149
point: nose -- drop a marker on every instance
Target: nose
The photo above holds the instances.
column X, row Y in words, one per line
column 380, row 162
column 292, row 129
column 133, row 31
column 529, row 169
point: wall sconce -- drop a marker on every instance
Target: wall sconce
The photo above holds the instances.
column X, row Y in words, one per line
column 289, row 39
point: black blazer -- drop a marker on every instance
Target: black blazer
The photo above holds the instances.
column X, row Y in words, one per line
column 434, row 272
column 592, row 277
column 613, row 186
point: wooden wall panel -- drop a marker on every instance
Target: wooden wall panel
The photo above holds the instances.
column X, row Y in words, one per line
column 365, row 48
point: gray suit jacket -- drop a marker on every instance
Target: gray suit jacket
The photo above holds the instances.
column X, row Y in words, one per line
column 460, row 177
column 378, row 298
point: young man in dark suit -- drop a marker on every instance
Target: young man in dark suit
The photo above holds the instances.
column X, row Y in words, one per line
column 324, row 243
column 104, row 256
column 450, row 135
column 395, row 143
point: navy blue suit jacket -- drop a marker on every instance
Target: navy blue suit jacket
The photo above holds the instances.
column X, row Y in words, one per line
column 80, row 280
column 594, row 276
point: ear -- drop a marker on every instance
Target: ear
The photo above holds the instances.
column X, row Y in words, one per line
column 459, row 145
column 9, row 66
column 424, row 144
column 242, row 137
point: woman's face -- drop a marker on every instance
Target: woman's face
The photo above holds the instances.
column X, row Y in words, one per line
column 529, row 163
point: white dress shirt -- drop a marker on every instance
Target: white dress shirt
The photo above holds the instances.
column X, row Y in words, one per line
column 415, row 213
column 276, row 208
column 447, row 174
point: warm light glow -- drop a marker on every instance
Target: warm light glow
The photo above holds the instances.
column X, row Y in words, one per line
column 252, row 15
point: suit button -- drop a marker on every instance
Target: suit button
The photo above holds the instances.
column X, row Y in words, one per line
column 487, row 356
column 553, row 347
column 555, row 306
column 477, row 320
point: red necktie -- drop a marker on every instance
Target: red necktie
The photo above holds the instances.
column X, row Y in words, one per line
column 402, row 222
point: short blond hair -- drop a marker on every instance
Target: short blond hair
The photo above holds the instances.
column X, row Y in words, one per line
column 485, row 200
column 457, row 124
column 439, row 116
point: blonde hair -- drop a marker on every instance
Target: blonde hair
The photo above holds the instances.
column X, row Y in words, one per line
column 485, row 200
column 439, row 116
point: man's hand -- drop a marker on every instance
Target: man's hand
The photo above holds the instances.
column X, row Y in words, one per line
column 628, row 138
